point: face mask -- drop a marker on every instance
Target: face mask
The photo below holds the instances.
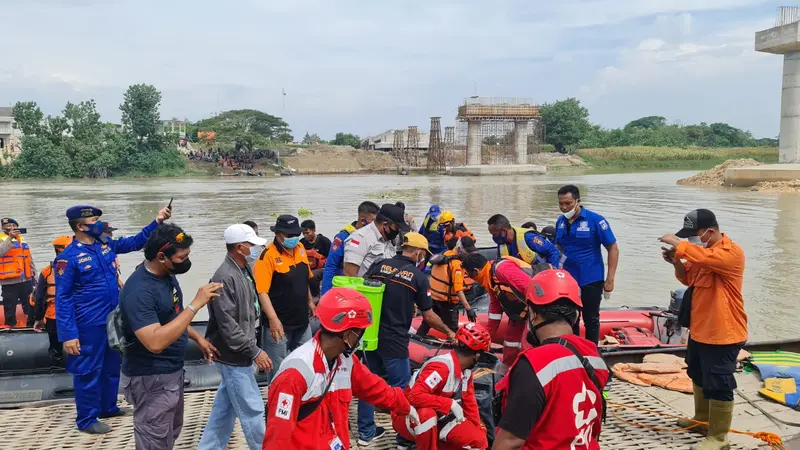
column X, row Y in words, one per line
column 349, row 349
column 180, row 268
column 291, row 242
column 500, row 238
column 698, row 240
column 391, row 234
column 95, row 229
column 569, row 214
column 255, row 252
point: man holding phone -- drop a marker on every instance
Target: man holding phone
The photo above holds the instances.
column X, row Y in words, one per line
column 17, row 273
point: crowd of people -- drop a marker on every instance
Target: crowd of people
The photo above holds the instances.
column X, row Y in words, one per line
column 236, row 160
column 263, row 295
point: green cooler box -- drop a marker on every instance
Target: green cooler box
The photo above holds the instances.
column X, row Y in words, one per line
column 374, row 294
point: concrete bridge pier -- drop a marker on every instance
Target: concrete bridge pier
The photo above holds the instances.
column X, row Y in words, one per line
column 521, row 141
column 474, row 142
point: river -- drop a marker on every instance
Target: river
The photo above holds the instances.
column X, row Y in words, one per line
column 639, row 206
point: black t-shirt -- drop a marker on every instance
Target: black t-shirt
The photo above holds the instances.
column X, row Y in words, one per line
column 405, row 286
column 147, row 299
column 322, row 245
column 526, row 400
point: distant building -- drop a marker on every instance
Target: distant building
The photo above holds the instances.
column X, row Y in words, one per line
column 9, row 136
column 175, row 126
column 385, row 141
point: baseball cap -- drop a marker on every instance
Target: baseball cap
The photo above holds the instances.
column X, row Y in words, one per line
column 236, row 234
column 395, row 215
column 696, row 220
column 287, row 224
column 415, row 240
column 468, row 244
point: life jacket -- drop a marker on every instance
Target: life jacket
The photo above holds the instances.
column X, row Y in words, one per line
column 16, row 263
column 442, row 275
column 350, row 227
column 430, row 225
column 50, row 294
column 459, row 230
column 573, row 415
column 315, row 259
column 525, row 253
column 512, row 300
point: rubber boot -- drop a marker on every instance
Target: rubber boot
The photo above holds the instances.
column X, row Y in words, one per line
column 700, row 412
column 718, row 427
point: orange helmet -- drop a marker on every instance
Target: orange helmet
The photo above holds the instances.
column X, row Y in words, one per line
column 474, row 336
column 550, row 285
column 62, row 241
column 342, row 308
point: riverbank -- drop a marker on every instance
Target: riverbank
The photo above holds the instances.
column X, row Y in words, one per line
column 676, row 158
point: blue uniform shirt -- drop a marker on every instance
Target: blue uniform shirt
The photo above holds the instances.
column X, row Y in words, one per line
column 581, row 241
column 335, row 261
column 86, row 281
column 545, row 250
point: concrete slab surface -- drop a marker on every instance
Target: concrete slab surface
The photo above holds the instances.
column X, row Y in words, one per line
column 750, row 176
column 486, row 169
column 779, row 40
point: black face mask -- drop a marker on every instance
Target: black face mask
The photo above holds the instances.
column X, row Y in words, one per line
column 391, row 234
column 531, row 336
column 180, row 268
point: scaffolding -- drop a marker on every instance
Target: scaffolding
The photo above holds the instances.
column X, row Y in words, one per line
column 398, row 149
column 437, row 157
column 412, row 147
column 498, row 131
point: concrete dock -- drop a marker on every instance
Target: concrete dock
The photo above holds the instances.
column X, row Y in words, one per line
column 495, row 170
column 750, row 176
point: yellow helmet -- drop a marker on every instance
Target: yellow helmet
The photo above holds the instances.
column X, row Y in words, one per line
column 447, row 216
column 62, row 241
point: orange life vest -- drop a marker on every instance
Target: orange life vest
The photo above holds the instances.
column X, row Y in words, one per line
column 50, row 294
column 315, row 259
column 441, row 280
column 16, row 263
column 512, row 300
column 459, row 230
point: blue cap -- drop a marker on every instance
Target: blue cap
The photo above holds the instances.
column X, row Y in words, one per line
column 434, row 210
column 7, row 220
column 83, row 211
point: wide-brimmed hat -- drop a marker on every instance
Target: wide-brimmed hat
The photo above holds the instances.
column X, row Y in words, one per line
column 287, row 224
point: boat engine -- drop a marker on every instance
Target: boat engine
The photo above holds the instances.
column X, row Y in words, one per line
column 666, row 325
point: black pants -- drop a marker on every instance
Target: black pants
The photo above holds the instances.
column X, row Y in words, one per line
column 711, row 367
column 56, row 355
column 591, row 296
column 315, row 282
column 17, row 294
column 448, row 312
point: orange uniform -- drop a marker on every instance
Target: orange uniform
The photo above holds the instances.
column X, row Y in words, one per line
column 718, row 316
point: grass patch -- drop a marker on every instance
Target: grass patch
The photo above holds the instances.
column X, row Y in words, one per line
column 305, row 212
column 397, row 194
column 672, row 157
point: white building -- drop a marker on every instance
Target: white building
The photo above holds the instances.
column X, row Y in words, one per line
column 385, row 141
column 9, row 136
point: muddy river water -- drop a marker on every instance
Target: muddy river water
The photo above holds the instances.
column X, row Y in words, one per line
column 639, row 206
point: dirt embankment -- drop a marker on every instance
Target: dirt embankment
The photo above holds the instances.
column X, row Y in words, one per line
column 338, row 159
column 777, row 186
column 716, row 176
column 557, row 160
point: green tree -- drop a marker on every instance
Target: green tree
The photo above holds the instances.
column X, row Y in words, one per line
column 309, row 139
column 83, row 120
column 245, row 129
column 649, row 123
column 566, row 123
column 140, row 112
column 40, row 158
column 28, row 118
column 347, row 139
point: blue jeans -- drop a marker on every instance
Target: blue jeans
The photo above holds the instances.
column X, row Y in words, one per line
column 277, row 351
column 238, row 396
column 398, row 372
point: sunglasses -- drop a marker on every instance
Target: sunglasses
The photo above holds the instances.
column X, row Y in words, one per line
column 178, row 239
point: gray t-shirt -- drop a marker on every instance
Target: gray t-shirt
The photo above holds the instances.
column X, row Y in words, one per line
column 365, row 246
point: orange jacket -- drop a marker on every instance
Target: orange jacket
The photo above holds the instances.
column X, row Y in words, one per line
column 447, row 279
column 718, row 315
column 16, row 263
column 43, row 299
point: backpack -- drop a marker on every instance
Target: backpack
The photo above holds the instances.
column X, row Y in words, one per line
column 115, row 331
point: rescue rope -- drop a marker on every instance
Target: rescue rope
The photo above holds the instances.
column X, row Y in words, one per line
column 773, row 440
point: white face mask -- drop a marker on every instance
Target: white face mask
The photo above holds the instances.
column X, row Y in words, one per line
column 254, row 252
column 697, row 240
column 569, row 214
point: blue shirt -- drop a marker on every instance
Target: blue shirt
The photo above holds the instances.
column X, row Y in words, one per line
column 546, row 251
column 86, row 281
column 147, row 299
column 581, row 241
column 334, row 263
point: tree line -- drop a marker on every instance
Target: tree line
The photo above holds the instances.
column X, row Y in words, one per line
column 568, row 128
column 76, row 144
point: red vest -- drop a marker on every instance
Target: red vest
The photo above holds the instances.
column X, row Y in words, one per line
column 573, row 414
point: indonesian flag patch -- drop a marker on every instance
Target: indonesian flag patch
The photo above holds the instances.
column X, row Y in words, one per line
column 433, row 379
column 354, row 243
column 284, row 409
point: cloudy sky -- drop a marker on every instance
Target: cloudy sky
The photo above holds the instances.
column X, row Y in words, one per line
column 367, row 66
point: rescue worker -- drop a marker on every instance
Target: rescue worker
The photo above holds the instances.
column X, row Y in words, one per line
column 523, row 243
column 505, row 280
column 108, row 234
column 552, row 397
column 447, row 285
column 549, row 233
column 44, row 304
column 17, row 273
column 443, row 394
column 308, row 402
column 450, row 229
column 317, row 247
column 335, row 261
column 430, row 229
column 374, row 242
column 86, row 292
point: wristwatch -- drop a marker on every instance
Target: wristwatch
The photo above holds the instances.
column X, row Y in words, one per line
column 192, row 308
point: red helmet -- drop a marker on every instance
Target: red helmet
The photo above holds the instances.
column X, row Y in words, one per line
column 342, row 308
column 550, row 285
column 474, row 336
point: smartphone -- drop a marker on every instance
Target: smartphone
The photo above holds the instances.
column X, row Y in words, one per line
column 170, row 203
column 22, row 230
